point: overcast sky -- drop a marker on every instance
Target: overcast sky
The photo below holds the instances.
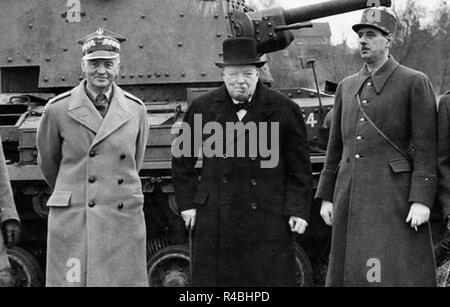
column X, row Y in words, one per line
column 341, row 24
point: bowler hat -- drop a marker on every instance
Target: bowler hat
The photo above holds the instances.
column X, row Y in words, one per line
column 379, row 19
column 240, row 51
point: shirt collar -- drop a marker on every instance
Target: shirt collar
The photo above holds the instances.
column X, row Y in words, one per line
column 237, row 102
column 93, row 95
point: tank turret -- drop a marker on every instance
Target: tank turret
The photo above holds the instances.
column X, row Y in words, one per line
column 269, row 26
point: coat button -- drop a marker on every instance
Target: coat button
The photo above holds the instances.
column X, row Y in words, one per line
column 224, row 179
column 120, row 206
column 365, row 101
column 91, row 204
column 369, row 83
column 357, row 157
column 120, row 181
column 362, row 119
column 92, row 179
column 254, row 182
column 92, row 153
column 122, row 157
column 359, row 138
column 254, row 206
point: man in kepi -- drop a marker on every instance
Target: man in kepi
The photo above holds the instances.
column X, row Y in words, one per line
column 244, row 212
column 10, row 223
column 91, row 143
column 379, row 180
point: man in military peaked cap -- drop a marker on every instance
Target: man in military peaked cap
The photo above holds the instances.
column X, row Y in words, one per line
column 379, row 180
column 244, row 214
column 91, row 143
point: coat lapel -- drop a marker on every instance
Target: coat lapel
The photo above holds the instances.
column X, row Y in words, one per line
column 82, row 110
column 379, row 78
column 118, row 114
column 222, row 107
column 262, row 106
column 382, row 75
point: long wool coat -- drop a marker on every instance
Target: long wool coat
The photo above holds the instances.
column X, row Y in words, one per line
column 444, row 154
column 96, row 227
column 373, row 186
column 242, row 236
column 7, row 207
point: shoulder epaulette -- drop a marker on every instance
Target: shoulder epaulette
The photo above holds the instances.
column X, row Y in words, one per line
column 59, row 97
column 135, row 99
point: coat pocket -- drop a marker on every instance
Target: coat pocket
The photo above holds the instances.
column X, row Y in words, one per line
column 400, row 165
column 201, row 197
column 59, row 199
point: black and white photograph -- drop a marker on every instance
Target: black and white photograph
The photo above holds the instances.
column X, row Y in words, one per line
column 225, row 148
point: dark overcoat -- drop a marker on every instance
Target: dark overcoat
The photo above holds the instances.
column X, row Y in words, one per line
column 372, row 186
column 242, row 236
column 444, row 154
column 96, row 227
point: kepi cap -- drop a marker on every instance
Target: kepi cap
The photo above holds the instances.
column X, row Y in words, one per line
column 379, row 19
column 102, row 44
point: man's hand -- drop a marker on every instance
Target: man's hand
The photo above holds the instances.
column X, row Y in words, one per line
column 298, row 225
column 418, row 214
column 11, row 233
column 189, row 218
column 326, row 211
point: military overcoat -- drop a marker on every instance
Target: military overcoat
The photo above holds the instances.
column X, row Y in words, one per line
column 96, row 226
column 444, row 154
column 242, row 236
column 372, row 185
column 7, row 207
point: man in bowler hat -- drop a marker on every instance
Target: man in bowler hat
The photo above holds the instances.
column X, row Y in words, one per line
column 379, row 180
column 244, row 216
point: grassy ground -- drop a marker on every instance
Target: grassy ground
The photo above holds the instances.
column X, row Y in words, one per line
column 443, row 275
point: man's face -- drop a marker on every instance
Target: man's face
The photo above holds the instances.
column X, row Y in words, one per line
column 101, row 73
column 374, row 45
column 240, row 81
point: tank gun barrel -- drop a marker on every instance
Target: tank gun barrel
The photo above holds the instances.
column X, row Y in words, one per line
column 271, row 27
column 329, row 8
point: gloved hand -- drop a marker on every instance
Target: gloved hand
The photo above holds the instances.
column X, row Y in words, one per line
column 11, row 232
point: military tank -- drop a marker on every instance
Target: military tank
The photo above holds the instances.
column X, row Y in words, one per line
column 167, row 62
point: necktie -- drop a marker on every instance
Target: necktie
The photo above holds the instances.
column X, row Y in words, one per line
column 101, row 104
column 242, row 106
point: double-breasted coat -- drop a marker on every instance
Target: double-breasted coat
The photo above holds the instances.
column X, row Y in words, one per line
column 372, row 185
column 242, row 236
column 7, row 207
column 444, row 154
column 96, row 226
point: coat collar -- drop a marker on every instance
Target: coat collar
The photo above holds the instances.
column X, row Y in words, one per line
column 262, row 106
column 83, row 111
column 380, row 77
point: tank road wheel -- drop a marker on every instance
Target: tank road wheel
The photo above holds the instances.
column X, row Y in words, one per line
column 170, row 267
column 25, row 268
column 304, row 271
